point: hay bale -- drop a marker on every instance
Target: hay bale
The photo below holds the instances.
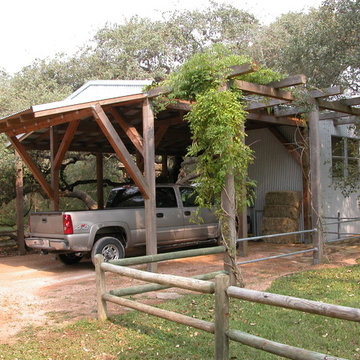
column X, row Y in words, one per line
column 282, row 211
column 273, row 225
column 289, row 198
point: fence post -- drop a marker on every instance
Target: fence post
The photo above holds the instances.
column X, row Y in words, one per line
column 222, row 282
column 100, row 288
column 338, row 225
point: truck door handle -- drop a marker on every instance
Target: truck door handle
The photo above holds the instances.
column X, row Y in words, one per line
column 159, row 215
column 187, row 213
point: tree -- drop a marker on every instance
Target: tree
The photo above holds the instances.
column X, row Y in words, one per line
column 323, row 44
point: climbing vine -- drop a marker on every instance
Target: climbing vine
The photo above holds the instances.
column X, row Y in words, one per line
column 216, row 120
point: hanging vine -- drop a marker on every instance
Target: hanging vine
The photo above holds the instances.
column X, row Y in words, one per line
column 216, row 120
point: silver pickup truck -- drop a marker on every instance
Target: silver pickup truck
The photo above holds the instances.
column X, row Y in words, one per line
column 74, row 234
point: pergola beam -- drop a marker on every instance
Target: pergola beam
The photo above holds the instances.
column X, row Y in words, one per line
column 289, row 81
column 337, row 106
column 275, row 120
column 120, row 149
column 263, row 90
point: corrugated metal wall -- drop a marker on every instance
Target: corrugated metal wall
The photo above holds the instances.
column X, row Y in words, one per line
column 274, row 169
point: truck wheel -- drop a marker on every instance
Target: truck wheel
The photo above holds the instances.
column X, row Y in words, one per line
column 109, row 247
column 69, row 259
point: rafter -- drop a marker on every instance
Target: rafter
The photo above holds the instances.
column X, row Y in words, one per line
column 130, row 131
column 65, row 143
column 120, row 149
column 331, row 91
column 263, row 90
column 47, row 122
column 264, row 117
column 288, row 146
column 337, row 106
column 289, row 81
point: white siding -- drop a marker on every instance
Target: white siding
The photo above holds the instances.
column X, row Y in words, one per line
column 274, row 168
column 332, row 200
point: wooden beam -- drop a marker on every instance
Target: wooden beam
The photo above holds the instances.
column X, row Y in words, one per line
column 289, row 81
column 331, row 115
column 263, row 90
column 47, row 122
column 88, row 105
column 130, row 131
column 181, row 105
column 238, row 70
column 31, row 165
column 331, row 91
column 275, row 120
column 149, row 171
column 288, row 146
column 350, row 102
column 65, row 143
column 337, row 106
column 315, row 181
column 292, row 111
column 258, row 105
column 350, row 120
column 120, row 149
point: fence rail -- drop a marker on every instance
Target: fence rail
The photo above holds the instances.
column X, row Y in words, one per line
column 314, row 249
column 222, row 291
column 341, row 236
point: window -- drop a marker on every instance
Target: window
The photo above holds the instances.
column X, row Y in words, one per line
column 131, row 197
column 125, row 197
column 188, row 196
column 165, row 197
column 345, row 156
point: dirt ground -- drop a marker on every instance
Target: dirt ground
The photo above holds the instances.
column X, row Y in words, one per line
column 37, row 290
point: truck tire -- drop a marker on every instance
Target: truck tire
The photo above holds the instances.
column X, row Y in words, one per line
column 111, row 248
column 69, row 259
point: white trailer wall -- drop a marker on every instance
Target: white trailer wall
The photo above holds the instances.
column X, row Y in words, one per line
column 332, row 200
column 274, row 169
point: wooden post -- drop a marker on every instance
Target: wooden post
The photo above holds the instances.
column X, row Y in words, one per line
column 305, row 167
column 100, row 288
column 314, row 144
column 100, row 180
column 54, row 170
column 243, row 233
column 221, row 317
column 19, row 205
column 228, row 229
column 149, row 173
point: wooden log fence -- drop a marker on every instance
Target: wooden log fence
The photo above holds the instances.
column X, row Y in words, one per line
column 223, row 292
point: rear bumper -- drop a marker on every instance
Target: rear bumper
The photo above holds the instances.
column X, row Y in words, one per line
column 47, row 244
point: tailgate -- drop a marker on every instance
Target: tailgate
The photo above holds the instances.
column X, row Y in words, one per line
column 47, row 223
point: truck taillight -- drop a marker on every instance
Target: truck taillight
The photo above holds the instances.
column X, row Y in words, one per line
column 68, row 226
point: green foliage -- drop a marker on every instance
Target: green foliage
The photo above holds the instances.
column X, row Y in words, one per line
column 322, row 44
column 216, row 120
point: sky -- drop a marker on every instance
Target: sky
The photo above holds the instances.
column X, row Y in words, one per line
column 41, row 28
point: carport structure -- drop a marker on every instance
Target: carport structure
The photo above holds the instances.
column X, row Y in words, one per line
column 126, row 126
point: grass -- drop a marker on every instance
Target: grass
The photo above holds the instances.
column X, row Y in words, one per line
column 140, row 336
